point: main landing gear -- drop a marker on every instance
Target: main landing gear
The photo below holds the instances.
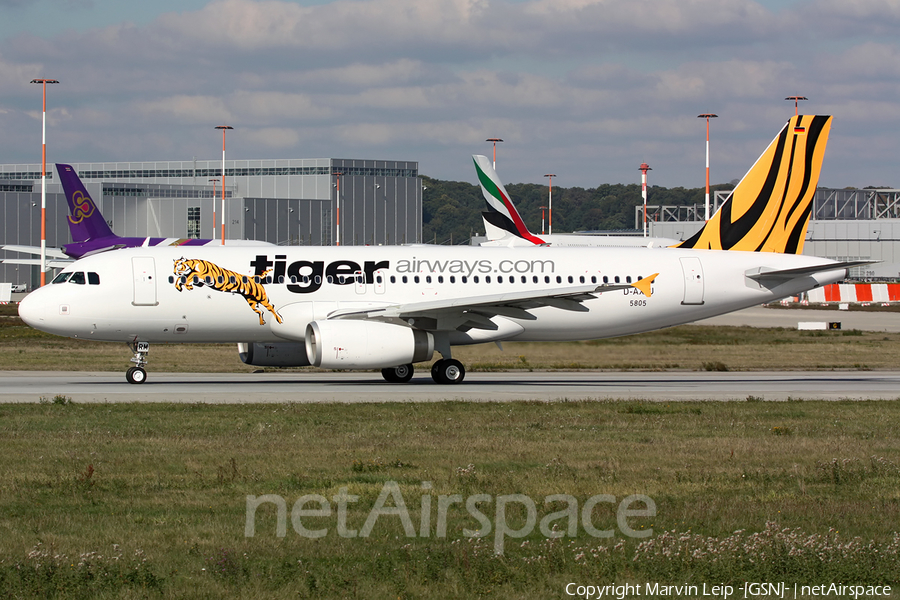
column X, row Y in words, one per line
column 400, row 374
column 137, row 373
column 445, row 371
column 448, row 371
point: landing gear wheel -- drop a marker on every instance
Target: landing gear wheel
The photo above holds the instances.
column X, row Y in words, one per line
column 448, row 371
column 136, row 375
column 398, row 374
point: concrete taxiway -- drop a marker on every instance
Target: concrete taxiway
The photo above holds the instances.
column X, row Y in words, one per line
column 224, row 388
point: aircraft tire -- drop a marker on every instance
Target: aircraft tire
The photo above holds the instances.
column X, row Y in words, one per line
column 450, row 371
column 136, row 375
column 398, row 374
column 435, row 369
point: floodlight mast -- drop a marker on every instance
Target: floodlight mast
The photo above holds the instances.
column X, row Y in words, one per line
column 644, row 168
column 550, row 202
column 707, row 116
column 494, row 140
column 796, row 100
column 224, row 128
column 44, row 83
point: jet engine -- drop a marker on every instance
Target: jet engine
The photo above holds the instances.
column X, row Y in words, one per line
column 352, row 344
column 282, row 354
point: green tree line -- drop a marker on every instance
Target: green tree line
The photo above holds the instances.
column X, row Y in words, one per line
column 452, row 209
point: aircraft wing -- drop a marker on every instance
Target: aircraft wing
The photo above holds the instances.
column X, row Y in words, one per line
column 54, row 252
column 475, row 311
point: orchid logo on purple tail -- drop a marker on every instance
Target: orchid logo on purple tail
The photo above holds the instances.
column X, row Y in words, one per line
column 82, row 208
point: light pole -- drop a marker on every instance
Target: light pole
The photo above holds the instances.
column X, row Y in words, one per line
column 44, row 83
column 337, row 234
column 224, row 128
column 214, row 206
column 796, row 100
column 550, row 201
column 494, row 140
column 543, row 208
column 644, row 168
column 707, row 116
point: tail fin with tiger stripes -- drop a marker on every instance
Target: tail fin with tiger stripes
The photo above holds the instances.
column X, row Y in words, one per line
column 769, row 209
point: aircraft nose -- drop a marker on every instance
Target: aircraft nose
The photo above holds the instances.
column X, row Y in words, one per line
column 37, row 308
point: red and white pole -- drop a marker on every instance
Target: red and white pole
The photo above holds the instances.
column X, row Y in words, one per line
column 223, row 128
column 644, row 168
column 707, row 116
column 550, row 203
column 44, row 83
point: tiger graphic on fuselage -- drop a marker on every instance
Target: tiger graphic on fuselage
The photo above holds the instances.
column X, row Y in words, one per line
column 223, row 280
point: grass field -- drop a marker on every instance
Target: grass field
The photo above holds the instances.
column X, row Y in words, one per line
column 135, row 501
column 123, row 501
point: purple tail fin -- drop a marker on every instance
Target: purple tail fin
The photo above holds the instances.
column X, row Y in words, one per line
column 85, row 221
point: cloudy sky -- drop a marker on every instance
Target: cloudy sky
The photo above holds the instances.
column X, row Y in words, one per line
column 585, row 89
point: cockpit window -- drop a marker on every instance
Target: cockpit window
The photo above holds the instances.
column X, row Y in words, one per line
column 62, row 277
column 93, row 279
column 77, row 278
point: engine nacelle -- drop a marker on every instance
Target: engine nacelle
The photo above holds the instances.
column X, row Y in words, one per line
column 282, row 354
column 351, row 344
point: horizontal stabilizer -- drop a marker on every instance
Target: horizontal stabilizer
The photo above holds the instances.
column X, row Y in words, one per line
column 761, row 273
column 55, row 252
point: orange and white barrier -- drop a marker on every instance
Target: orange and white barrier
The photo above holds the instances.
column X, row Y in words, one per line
column 856, row 292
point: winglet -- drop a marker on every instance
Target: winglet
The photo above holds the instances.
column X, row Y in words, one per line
column 504, row 213
column 644, row 284
column 769, row 209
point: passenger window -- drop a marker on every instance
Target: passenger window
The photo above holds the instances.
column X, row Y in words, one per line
column 558, row 279
column 171, row 279
column 428, row 279
column 452, row 279
column 393, row 279
column 605, row 279
column 487, row 279
column 581, row 279
column 318, row 279
column 232, row 280
column 546, row 279
column 378, row 279
column 464, row 279
column 416, row 278
column 93, row 279
column 499, row 278
column 440, row 279
column 525, row 279
column 593, row 279
column 329, row 279
column 571, row 280
column 243, row 279
column 61, row 278
column 616, row 279
column 475, row 279
column 404, row 279
column 628, row 279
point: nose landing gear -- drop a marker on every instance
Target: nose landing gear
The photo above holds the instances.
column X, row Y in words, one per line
column 137, row 373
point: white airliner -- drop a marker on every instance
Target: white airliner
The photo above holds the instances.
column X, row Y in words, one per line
column 504, row 226
column 382, row 307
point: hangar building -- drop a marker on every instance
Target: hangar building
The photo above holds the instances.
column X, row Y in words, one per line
column 282, row 201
